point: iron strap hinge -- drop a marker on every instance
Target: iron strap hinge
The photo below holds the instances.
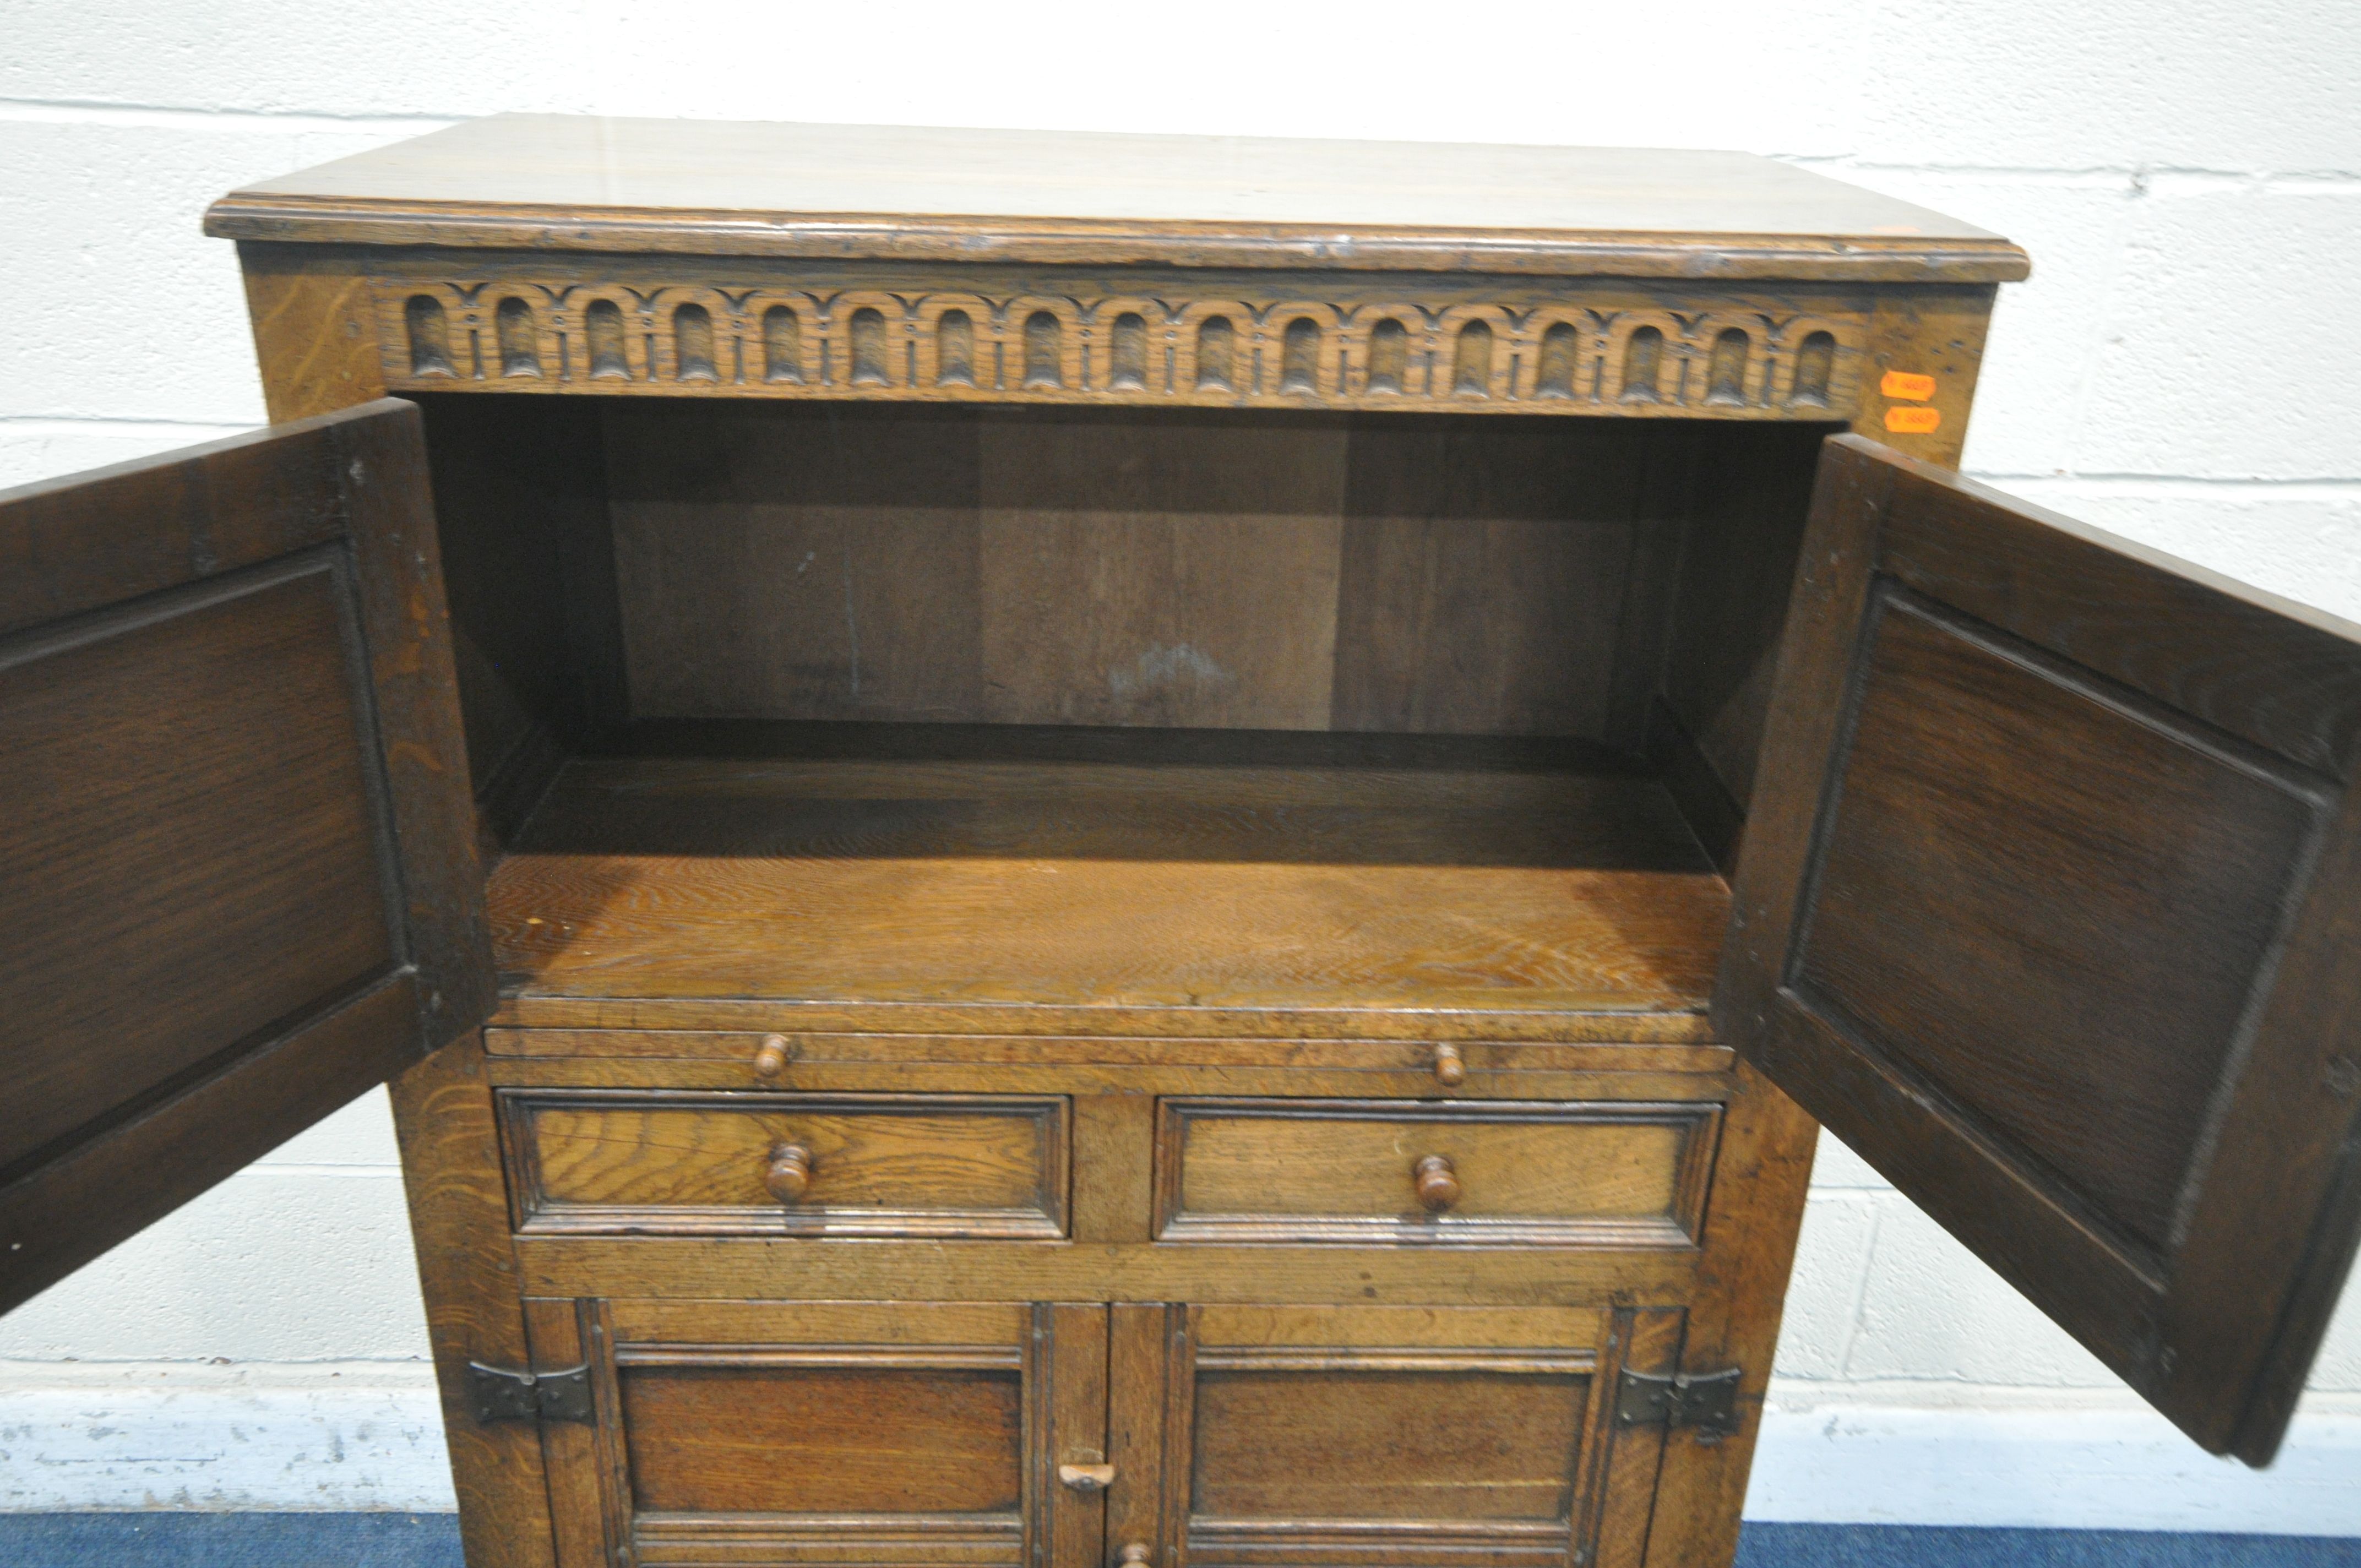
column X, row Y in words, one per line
column 1705, row 1401
column 496, row 1394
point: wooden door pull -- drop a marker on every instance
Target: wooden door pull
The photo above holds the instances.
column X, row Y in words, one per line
column 1135, row 1556
column 770, row 1059
column 1086, row 1477
column 1438, row 1184
column 788, row 1176
column 1450, row 1066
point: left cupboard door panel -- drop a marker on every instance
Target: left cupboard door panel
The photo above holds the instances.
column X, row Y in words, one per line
column 238, row 880
column 865, row 1434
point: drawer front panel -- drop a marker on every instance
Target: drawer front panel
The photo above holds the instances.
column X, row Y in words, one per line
column 1595, row 1174
column 634, row 1162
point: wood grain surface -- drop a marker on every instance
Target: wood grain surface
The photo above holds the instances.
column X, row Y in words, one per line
column 1082, row 887
column 1427, row 1437
column 2054, row 848
column 1492, row 1068
column 529, row 564
column 1305, row 1327
column 2101, row 1055
column 1469, row 1437
column 883, row 1438
column 1720, row 639
column 193, row 854
column 1160, row 572
column 849, row 1433
column 821, row 566
column 315, row 330
column 449, row 1130
column 750, row 1267
column 237, row 887
column 1338, row 1170
column 1304, row 572
column 1762, row 1170
column 559, row 182
column 612, row 1161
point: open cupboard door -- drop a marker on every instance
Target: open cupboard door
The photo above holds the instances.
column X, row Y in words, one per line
column 237, row 873
column 2050, row 906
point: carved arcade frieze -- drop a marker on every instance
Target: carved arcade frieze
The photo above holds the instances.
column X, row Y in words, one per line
column 1588, row 347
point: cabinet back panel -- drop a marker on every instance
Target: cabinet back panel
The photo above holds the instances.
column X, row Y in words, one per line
column 824, row 565
column 1161, row 573
column 1492, row 574
column 1191, row 570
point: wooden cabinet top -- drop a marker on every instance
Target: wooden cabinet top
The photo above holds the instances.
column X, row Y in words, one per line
column 852, row 192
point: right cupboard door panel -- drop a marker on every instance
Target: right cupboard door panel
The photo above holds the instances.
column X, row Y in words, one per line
column 2050, row 905
column 1277, row 1436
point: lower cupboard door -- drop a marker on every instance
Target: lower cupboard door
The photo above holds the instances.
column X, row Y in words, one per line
column 1475, row 1437
column 854, row 1433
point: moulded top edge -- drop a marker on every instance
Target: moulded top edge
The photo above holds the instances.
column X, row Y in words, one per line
column 888, row 192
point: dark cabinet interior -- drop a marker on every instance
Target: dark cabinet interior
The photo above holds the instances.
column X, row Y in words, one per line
column 1295, row 685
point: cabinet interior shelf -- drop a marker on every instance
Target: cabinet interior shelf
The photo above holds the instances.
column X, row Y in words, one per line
column 1209, row 870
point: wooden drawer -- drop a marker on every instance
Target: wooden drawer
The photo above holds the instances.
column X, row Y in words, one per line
column 1497, row 1173
column 644, row 1162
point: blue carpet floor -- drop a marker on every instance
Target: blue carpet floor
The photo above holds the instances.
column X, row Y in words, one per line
column 432, row 1541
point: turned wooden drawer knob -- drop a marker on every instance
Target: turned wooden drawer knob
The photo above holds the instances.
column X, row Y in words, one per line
column 772, row 1057
column 788, row 1176
column 1135, row 1556
column 1438, row 1184
column 1086, row 1477
column 1450, row 1066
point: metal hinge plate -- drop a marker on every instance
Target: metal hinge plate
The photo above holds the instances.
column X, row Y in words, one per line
column 497, row 1394
column 1705, row 1402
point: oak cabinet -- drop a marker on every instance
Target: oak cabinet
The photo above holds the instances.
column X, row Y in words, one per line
column 1082, row 851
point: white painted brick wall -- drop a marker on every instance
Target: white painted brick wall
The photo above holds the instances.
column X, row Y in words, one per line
column 2183, row 367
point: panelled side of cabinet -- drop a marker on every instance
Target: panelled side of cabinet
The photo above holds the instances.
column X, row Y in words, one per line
column 314, row 331
column 1926, row 345
column 1760, row 1181
column 475, row 1309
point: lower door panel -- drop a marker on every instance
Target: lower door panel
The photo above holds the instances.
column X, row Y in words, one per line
column 856, row 1433
column 1283, row 1437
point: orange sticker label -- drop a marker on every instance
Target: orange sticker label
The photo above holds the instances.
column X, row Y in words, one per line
column 1913, row 421
column 1907, row 384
